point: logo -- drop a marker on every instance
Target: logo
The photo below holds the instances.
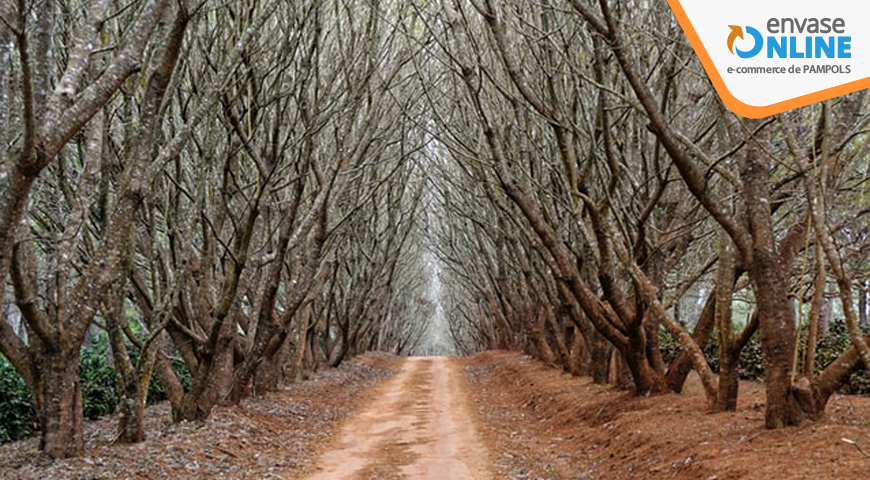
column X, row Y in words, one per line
column 793, row 46
column 738, row 32
column 778, row 54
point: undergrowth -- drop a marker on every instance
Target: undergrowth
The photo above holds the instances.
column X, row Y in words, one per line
column 830, row 346
column 18, row 416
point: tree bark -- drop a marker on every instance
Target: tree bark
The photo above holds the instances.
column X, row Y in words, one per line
column 809, row 368
column 680, row 366
column 768, row 276
column 726, row 398
column 301, row 341
column 863, row 293
column 60, row 412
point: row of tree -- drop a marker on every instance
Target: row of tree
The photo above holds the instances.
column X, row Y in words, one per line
column 591, row 177
column 257, row 187
column 229, row 183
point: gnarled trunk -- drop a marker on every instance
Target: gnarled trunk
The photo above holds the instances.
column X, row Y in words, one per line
column 60, row 406
column 600, row 358
column 647, row 380
column 863, row 293
column 580, row 356
column 131, row 425
column 680, row 367
column 777, row 342
column 208, row 379
column 270, row 372
column 296, row 362
column 726, row 400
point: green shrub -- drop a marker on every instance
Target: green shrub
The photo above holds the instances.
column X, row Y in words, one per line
column 17, row 412
column 99, row 391
column 156, row 392
column 18, row 416
column 830, row 346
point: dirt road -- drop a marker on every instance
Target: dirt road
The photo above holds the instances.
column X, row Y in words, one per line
column 418, row 425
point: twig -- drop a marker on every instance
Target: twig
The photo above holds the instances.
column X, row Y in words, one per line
column 857, row 447
column 223, row 450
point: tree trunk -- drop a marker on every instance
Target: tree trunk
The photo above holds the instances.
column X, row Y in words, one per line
column 295, row 372
column 131, row 425
column 653, row 351
column 205, row 389
column 809, row 368
column 768, row 276
column 132, row 388
column 539, row 332
column 777, row 340
column 811, row 396
column 61, row 417
column 647, row 380
column 618, row 373
column 174, row 388
column 680, row 367
column 726, row 395
column 729, row 380
column 270, row 371
column 338, row 355
column 825, row 317
column 863, row 293
column 580, row 355
column 313, row 354
column 600, row 358
column 560, row 341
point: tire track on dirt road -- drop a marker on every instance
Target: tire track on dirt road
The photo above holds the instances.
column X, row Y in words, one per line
column 418, row 425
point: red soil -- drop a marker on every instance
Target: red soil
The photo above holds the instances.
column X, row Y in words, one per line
column 539, row 422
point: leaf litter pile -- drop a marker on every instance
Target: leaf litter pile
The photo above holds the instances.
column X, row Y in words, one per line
column 276, row 436
column 541, row 423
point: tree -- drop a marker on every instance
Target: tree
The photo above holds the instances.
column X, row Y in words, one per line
column 49, row 364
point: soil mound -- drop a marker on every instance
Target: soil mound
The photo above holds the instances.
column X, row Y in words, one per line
column 542, row 423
